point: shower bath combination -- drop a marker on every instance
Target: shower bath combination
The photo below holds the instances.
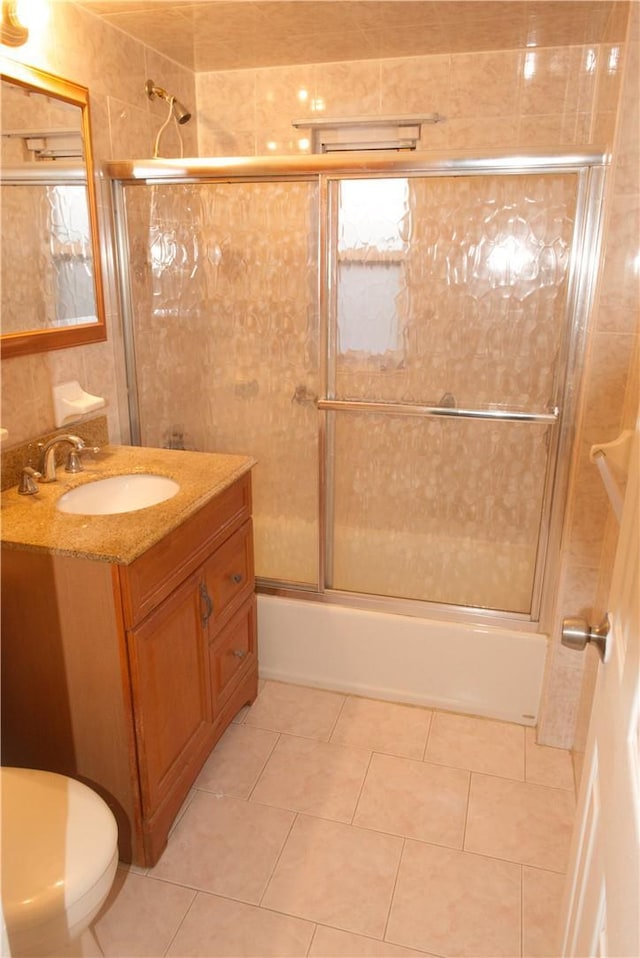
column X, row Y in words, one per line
column 420, row 470
column 177, row 112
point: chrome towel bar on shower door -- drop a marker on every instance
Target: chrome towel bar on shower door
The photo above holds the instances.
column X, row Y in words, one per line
column 414, row 409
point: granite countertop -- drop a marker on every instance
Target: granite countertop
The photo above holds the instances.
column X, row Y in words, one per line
column 34, row 523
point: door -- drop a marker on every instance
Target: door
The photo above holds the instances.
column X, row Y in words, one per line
column 171, row 694
column 450, row 320
column 603, row 895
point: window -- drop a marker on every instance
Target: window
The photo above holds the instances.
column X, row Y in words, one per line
column 371, row 248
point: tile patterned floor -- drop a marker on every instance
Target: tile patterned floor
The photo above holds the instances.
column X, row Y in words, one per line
column 336, row 827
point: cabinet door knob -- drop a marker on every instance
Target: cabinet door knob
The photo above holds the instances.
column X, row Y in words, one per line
column 237, row 577
column 239, row 653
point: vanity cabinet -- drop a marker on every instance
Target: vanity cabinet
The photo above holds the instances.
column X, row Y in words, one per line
column 125, row 676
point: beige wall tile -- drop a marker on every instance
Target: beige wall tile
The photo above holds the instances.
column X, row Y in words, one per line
column 584, row 63
column 415, row 85
column 485, row 84
column 283, row 94
column 544, row 79
column 560, row 698
column 347, row 89
column 226, row 103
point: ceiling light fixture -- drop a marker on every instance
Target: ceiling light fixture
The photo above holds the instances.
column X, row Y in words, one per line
column 13, row 33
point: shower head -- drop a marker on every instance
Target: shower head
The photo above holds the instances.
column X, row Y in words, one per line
column 180, row 111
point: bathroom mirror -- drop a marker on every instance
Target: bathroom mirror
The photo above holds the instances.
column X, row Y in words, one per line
column 52, row 295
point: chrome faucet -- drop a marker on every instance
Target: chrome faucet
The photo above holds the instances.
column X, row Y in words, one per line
column 48, row 456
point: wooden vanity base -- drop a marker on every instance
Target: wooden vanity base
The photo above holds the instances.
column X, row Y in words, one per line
column 125, row 676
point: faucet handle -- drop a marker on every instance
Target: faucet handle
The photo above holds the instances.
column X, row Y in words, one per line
column 28, row 485
column 74, row 463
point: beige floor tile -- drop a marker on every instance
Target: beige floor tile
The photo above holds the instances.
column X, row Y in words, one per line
column 542, row 895
column 337, row 875
column 182, row 810
column 311, row 713
column 383, row 726
column 235, row 764
column 225, row 846
column 329, row 943
column 519, row 822
column 141, row 916
column 548, row 766
column 317, row 778
column 481, row 745
column 448, row 902
column 415, row 800
column 219, row 928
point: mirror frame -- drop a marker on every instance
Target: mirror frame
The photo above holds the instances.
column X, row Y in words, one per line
column 42, row 340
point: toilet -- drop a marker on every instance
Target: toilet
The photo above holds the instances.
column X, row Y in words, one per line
column 59, row 857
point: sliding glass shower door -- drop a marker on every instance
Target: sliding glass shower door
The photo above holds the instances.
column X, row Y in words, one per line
column 448, row 336
column 398, row 350
column 225, row 332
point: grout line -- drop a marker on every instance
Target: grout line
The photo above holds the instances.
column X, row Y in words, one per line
column 277, row 861
column 522, row 909
column 426, row 744
column 364, row 779
column 264, row 765
column 466, row 815
column 338, row 717
column 313, row 936
column 393, row 890
column 181, row 923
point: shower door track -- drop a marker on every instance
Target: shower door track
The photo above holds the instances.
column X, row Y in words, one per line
column 590, row 167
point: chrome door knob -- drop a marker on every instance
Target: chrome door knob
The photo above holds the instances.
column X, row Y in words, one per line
column 576, row 633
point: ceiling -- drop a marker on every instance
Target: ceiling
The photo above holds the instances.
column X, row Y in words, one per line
column 223, row 35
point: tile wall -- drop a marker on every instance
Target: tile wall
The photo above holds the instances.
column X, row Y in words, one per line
column 72, row 43
column 517, row 98
column 609, row 405
column 500, row 99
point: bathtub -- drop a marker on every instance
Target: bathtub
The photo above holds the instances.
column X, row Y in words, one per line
column 479, row 670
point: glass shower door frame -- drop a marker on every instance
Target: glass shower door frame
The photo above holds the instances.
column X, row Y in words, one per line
column 590, row 168
column 559, row 416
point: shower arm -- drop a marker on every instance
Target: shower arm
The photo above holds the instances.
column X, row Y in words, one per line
column 182, row 114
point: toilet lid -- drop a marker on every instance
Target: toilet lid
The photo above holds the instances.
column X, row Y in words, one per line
column 58, row 839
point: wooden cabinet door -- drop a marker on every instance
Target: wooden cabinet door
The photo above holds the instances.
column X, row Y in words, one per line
column 171, row 695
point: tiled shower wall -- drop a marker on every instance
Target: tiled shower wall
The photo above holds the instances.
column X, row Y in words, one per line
column 609, row 404
column 491, row 100
column 497, row 100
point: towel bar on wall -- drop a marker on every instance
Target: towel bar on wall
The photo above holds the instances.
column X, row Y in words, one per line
column 612, row 460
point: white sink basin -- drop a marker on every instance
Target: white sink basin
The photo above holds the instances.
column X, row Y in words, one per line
column 106, row 497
